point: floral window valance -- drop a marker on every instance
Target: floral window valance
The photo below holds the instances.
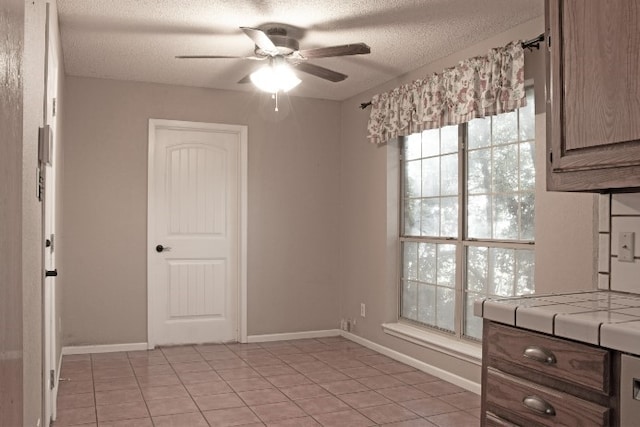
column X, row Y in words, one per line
column 477, row 87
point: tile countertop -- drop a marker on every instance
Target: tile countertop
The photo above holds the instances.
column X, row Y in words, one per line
column 605, row 318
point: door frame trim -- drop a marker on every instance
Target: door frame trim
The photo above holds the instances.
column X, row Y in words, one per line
column 242, row 132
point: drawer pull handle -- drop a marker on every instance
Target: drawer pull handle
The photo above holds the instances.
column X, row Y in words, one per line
column 539, row 405
column 539, row 354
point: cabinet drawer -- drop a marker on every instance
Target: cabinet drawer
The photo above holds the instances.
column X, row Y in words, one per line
column 540, row 405
column 565, row 360
column 492, row 420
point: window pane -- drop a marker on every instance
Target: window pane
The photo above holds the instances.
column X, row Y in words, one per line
column 431, row 177
column 502, row 272
column 431, row 298
column 477, row 269
column 430, row 217
column 505, row 216
column 413, row 146
column 472, row 324
column 525, row 266
column 449, row 139
column 527, row 166
column 479, row 217
column 505, row 167
column 431, row 142
column 479, row 171
column 505, row 128
column 446, row 265
column 412, row 217
column 527, row 216
column 412, row 178
column 427, row 304
column 445, row 309
column 427, row 263
column 449, row 217
column 409, row 300
column 410, row 260
column 449, row 178
column 479, row 133
column 528, row 118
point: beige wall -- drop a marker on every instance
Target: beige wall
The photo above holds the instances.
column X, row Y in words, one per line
column 292, row 219
column 11, row 116
column 564, row 222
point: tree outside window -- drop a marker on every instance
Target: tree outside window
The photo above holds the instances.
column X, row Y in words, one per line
column 463, row 239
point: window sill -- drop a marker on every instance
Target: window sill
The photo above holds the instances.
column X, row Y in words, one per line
column 469, row 352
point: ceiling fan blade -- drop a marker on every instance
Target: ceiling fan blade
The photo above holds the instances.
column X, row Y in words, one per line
column 342, row 50
column 245, row 79
column 253, row 58
column 323, row 73
column 261, row 40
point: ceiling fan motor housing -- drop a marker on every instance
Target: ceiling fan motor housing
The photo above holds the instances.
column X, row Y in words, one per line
column 286, row 45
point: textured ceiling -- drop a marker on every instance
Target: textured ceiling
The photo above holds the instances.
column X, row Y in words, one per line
column 138, row 39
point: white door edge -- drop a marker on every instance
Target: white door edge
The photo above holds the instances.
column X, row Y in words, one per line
column 242, row 132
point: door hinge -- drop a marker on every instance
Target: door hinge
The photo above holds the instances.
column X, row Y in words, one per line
column 45, row 144
column 39, row 184
column 53, row 107
column 52, row 379
column 550, row 156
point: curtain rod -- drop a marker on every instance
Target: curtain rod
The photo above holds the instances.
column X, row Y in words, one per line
column 528, row 44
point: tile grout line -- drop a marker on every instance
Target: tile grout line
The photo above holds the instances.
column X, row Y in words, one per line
column 244, row 355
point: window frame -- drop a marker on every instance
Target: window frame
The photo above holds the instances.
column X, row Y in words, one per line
column 461, row 241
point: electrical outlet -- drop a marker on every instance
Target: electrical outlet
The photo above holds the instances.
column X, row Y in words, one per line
column 363, row 310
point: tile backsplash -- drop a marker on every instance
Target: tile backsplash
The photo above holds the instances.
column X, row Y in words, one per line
column 619, row 213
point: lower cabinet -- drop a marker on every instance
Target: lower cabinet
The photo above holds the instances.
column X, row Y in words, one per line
column 532, row 379
column 492, row 420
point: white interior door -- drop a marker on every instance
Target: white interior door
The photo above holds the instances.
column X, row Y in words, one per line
column 196, row 221
column 49, row 219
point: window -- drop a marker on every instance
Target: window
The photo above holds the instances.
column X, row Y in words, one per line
column 462, row 239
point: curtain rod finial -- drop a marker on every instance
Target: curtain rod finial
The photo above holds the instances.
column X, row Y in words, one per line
column 365, row 105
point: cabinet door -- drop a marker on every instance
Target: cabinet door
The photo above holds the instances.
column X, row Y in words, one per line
column 593, row 106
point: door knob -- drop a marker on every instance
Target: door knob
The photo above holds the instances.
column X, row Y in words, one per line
column 161, row 248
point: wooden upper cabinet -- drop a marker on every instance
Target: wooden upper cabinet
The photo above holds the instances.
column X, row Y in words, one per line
column 593, row 96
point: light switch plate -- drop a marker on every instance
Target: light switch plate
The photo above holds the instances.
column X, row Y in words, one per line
column 626, row 246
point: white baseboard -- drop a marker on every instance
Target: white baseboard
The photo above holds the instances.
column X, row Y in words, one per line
column 418, row 364
column 106, row 348
column 294, row 335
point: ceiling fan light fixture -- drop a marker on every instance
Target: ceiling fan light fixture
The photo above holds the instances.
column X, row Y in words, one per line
column 275, row 77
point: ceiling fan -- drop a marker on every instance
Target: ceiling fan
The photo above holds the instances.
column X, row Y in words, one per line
column 282, row 51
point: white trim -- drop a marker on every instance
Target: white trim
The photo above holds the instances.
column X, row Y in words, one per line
column 468, row 352
column 243, row 167
column 294, row 335
column 105, row 348
column 54, row 395
column 418, row 364
column 243, row 251
column 151, row 226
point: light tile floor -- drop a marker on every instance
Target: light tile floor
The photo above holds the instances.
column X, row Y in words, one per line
column 311, row 382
